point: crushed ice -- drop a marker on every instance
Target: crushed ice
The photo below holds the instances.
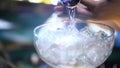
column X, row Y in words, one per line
column 70, row 46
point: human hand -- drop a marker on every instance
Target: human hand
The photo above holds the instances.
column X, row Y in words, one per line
column 86, row 7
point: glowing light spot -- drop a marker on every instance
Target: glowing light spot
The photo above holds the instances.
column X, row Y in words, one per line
column 34, row 1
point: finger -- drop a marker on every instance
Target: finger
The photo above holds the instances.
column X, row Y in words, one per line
column 83, row 10
column 59, row 8
column 94, row 2
column 81, row 5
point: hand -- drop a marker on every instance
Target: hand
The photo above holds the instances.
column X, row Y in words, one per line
column 86, row 7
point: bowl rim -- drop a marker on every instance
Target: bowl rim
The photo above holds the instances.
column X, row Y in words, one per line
column 112, row 29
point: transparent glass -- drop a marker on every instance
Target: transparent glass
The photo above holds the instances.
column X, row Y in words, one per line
column 82, row 45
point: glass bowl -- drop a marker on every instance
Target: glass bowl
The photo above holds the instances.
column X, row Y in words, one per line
column 82, row 45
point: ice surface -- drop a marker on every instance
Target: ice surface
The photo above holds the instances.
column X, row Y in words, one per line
column 66, row 46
